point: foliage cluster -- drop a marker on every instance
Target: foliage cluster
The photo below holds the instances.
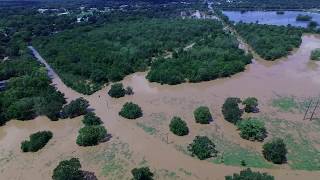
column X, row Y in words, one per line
column 248, row 174
column 203, row 148
column 202, row 115
column 75, row 108
column 91, row 135
column 178, row 126
column 68, row 169
column 37, row 141
column 270, row 42
column 131, row 111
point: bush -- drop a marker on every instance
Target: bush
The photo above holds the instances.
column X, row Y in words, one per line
column 37, row 141
column 251, row 104
column 178, row 126
column 231, row 110
column 143, row 173
column 130, row 111
column 202, row 115
column 247, row 174
column 252, row 129
column 91, row 135
column 68, row 170
column 275, row 151
column 117, row 90
column 202, row 147
column 90, row 119
column 75, row 108
column 129, row 91
column 315, row 55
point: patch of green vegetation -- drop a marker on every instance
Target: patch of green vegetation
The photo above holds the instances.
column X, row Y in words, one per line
column 185, row 172
column 233, row 154
column 315, row 55
column 302, row 152
column 113, row 169
column 284, row 103
column 147, row 129
column 166, row 174
column 269, row 41
column 291, row 103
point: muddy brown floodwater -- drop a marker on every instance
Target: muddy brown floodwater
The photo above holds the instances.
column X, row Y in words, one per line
column 295, row 75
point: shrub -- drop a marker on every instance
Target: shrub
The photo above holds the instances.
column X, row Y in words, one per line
column 315, row 55
column 68, row 170
column 37, row 141
column 143, row 173
column 202, row 115
column 178, row 126
column 251, row 104
column 275, row 151
column 302, row 17
column 117, row 90
column 91, row 135
column 252, row 129
column 75, row 108
column 202, row 147
column 90, row 119
column 130, row 111
column 231, row 110
column 247, row 174
column 129, row 91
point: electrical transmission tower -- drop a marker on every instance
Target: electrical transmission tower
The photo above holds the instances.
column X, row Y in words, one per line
column 313, row 110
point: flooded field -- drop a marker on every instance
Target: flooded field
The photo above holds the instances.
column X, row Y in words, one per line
column 289, row 81
column 271, row 17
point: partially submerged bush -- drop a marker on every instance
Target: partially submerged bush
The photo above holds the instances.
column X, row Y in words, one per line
column 202, row 115
column 252, row 129
column 90, row 119
column 68, row 170
column 143, row 173
column 75, row 108
column 251, row 104
column 129, row 90
column 231, row 110
column 37, row 141
column 91, row 135
column 202, row 147
column 130, row 111
column 178, row 126
column 247, row 174
column 117, row 90
column 275, row 151
column 315, row 55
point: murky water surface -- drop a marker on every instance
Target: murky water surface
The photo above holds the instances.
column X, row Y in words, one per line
column 295, row 75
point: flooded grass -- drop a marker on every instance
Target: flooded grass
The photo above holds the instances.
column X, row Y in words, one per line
column 233, row 154
column 285, row 104
column 301, row 141
column 147, row 129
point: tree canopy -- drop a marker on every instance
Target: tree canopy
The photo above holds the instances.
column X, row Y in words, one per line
column 203, row 148
column 37, row 141
column 275, row 151
column 178, row 126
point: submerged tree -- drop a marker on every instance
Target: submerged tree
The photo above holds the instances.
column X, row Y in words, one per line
column 131, row 111
column 231, row 110
column 251, row 104
column 203, row 148
column 117, row 90
column 143, row 173
column 68, row 170
column 275, row 151
column 247, row 174
column 202, row 115
column 178, row 126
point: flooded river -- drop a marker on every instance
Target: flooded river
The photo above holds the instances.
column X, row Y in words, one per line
column 295, row 75
column 271, row 17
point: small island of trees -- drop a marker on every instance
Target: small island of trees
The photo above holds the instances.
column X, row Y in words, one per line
column 202, row 115
column 302, row 17
column 202, row 147
column 315, row 55
column 131, row 111
column 37, row 141
column 275, row 151
column 178, row 126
